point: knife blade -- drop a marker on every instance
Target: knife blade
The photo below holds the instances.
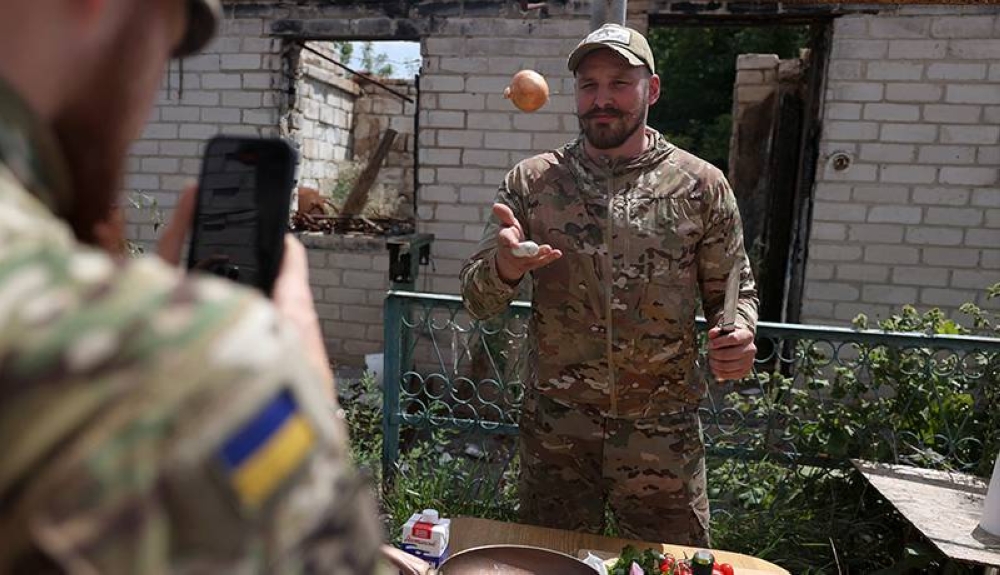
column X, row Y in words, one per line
column 732, row 298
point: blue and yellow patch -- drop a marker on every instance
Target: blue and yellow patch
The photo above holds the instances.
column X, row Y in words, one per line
column 267, row 450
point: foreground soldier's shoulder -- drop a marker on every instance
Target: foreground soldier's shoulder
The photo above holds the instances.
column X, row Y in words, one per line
column 227, row 475
column 268, row 465
column 264, row 459
column 241, row 450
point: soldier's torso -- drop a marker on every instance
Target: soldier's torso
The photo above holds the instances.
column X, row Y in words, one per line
column 614, row 317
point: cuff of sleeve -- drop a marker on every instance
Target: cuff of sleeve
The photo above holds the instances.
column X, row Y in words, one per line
column 743, row 321
column 492, row 281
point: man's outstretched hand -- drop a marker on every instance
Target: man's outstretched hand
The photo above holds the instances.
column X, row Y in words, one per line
column 511, row 267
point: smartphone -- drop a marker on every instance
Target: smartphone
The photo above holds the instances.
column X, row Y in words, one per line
column 241, row 217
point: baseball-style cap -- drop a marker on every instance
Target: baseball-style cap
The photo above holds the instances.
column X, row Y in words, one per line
column 627, row 42
column 203, row 20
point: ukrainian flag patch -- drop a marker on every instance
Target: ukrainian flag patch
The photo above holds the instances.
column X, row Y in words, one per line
column 266, row 450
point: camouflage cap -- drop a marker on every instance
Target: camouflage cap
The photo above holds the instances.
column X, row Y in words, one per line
column 627, row 42
column 203, row 20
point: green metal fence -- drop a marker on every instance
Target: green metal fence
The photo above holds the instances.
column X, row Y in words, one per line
column 778, row 443
column 819, row 394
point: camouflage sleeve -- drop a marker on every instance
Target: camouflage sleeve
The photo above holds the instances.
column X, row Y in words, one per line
column 214, row 449
column 263, row 466
column 721, row 246
column 486, row 295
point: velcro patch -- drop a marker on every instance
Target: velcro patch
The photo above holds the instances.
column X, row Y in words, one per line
column 607, row 34
column 267, row 450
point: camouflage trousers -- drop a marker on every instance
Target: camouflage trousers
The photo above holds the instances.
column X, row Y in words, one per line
column 649, row 472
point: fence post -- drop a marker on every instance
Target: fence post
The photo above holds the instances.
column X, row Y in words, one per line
column 391, row 380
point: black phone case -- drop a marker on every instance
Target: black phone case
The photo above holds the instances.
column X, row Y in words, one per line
column 275, row 201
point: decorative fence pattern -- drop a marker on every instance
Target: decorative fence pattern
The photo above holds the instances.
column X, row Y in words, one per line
column 445, row 370
column 779, row 443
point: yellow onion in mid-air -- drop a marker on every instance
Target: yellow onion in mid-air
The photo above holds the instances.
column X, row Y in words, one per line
column 528, row 90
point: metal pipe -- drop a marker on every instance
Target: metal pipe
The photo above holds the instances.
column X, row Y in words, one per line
column 598, row 13
column 618, row 10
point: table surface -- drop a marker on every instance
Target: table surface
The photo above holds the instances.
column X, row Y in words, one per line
column 945, row 506
column 467, row 532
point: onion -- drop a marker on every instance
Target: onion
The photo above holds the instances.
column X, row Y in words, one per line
column 528, row 90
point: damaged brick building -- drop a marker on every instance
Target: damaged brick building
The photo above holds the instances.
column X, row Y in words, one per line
column 883, row 191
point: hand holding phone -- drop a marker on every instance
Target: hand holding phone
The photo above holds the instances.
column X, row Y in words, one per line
column 241, row 215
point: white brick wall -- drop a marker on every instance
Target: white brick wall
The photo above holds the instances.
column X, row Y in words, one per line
column 324, row 117
column 912, row 102
column 233, row 87
column 912, row 98
column 377, row 110
column 473, row 136
column 470, row 136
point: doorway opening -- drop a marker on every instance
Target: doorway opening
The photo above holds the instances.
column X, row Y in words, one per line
column 745, row 95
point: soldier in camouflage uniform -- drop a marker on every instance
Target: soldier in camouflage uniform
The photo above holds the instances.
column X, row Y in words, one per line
column 632, row 231
column 149, row 422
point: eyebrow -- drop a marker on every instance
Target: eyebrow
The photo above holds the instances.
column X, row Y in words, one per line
column 624, row 74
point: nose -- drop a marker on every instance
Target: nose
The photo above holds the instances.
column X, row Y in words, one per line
column 603, row 97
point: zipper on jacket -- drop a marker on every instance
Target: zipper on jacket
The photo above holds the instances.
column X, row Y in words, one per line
column 610, row 282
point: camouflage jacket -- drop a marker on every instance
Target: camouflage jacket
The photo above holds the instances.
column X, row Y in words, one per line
column 151, row 422
column 613, row 319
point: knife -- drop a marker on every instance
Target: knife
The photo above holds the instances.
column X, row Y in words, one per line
column 732, row 298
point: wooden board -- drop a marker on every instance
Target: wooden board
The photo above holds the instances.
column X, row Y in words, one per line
column 944, row 506
column 468, row 532
column 357, row 199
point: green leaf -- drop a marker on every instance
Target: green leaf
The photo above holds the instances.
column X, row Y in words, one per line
column 949, row 327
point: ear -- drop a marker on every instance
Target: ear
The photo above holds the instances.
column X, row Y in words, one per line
column 654, row 89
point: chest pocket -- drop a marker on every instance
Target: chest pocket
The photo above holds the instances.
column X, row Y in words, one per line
column 662, row 238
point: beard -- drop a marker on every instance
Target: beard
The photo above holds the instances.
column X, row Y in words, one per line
column 607, row 135
column 94, row 131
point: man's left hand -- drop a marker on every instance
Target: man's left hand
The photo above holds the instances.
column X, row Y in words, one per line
column 731, row 355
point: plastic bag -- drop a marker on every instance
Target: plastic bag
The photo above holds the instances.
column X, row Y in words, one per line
column 596, row 563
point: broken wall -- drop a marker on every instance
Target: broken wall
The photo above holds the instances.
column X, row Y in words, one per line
column 322, row 117
column 912, row 96
column 469, row 135
column 377, row 110
column 907, row 202
column 769, row 104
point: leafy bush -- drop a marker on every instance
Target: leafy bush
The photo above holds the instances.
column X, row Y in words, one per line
column 441, row 469
column 698, row 67
column 915, row 405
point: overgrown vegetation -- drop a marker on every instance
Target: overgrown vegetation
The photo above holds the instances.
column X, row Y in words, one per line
column 368, row 61
column 697, row 66
column 434, row 472
column 809, row 512
column 383, row 201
